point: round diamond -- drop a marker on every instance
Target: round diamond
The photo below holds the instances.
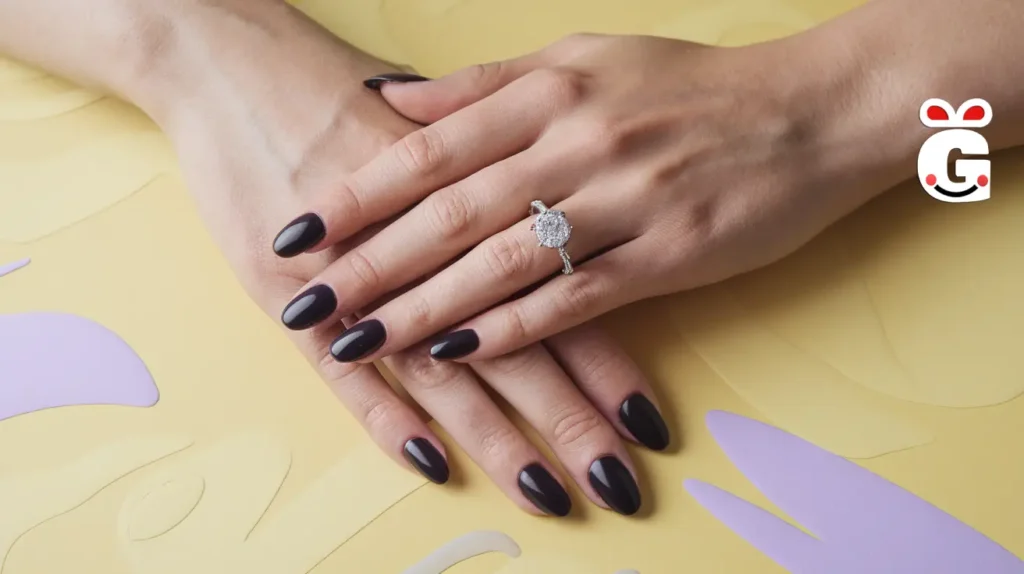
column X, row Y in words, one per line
column 552, row 229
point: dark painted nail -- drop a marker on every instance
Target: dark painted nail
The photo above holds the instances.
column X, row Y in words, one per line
column 359, row 341
column 455, row 345
column 376, row 82
column 421, row 453
column 309, row 308
column 643, row 420
column 299, row 235
column 544, row 491
column 615, row 485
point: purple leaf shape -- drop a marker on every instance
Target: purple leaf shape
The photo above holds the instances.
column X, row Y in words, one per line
column 52, row 360
column 859, row 522
column 12, row 267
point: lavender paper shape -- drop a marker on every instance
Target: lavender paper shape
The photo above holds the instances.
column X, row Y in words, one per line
column 52, row 360
column 859, row 522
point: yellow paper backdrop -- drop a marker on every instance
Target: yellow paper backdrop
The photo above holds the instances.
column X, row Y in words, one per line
column 892, row 338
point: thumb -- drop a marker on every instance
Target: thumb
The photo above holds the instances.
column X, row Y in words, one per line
column 425, row 101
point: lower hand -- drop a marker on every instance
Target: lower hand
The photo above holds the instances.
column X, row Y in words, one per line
column 258, row 142
column 677, row 165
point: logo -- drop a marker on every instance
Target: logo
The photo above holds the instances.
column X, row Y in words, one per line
column 957, row 134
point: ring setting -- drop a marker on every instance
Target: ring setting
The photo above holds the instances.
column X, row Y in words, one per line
column 553, row 231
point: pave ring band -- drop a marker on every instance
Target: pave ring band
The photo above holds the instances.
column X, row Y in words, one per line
column 553, row 231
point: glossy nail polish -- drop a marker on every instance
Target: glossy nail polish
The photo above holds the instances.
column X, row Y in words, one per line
column 421, row 453
column 615, row 485
column 299, row 235
column 537, row 485
column 309, row 308
column 644, row 422
column 359, row 341
column 455, row 345
column 376, row 82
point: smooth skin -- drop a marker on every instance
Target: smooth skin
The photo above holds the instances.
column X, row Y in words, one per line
column 267, row 112
column 678, row 164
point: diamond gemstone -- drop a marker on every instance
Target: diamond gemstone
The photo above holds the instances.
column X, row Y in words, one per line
column 552, row 229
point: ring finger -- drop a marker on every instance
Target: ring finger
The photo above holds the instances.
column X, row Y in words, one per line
column 499, row 267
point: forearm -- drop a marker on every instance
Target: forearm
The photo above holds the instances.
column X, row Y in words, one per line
column 160, row 54
column 889, row 56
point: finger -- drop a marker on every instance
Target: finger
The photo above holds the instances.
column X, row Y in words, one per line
column 429, row 159
column 586, row 443
column 453, row 396
column 428, row 102
column 444, row 225
column 492, row 272
column 607, row 376
column 596, row 287
column 390, row 422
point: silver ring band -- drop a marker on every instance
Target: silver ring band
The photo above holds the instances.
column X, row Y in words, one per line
column 553, row 231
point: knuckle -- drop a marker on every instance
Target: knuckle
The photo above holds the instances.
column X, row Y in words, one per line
column 574, row 425
column 379, row 415
column 578, row 297
column 485, row 74
column 364, row 270
column 605, row 135
column 514, row 323
column 563, row 86
column 450, row 213
column 517, row 364
column 347, row 201
column 420, row 372
column 505, row 258
column 419, row 312
column 423, row 152
column 495, row 441
column 592, row 364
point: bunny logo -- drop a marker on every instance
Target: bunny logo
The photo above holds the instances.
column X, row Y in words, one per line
column 957, row 134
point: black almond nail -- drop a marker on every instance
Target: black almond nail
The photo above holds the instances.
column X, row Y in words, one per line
column 644, row 422
column 299, row 235
column 537, row 485
column 359, row 341
column 421, row 453
column 309, row 308
column 376, row 82
column 455, row 345
column 615, row 485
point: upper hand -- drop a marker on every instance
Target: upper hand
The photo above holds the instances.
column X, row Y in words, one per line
column 676, row 164
column 253, row 152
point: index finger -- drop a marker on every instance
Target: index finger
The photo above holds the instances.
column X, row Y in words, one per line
column 484, row 133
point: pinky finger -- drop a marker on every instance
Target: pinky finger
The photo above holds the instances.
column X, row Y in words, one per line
column 390, row 422
column 565, row 301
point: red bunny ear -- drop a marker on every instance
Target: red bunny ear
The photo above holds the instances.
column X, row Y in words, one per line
column 973, row 113
column 937, row 113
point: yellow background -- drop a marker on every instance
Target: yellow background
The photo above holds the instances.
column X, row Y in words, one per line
column 892, row 339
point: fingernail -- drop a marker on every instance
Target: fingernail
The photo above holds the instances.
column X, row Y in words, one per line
column 376, row 82
column 644, row 422
column 299, row 235
column 359, row 341
column 309, row 308
column 615, row 485
column 455, row 345
column 544, row 491
column 421, row 453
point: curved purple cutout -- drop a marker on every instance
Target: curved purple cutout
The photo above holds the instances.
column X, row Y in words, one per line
column 52, row 360
column 12, row 267
column 860, row 522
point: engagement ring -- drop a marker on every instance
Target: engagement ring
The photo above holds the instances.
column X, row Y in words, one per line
column 553, row 231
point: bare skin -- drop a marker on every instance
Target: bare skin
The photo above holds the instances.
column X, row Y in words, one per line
column 267, row 110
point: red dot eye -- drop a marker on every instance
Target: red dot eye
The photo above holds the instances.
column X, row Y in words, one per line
column 930, row 179
column 982, row 181
column 937, row 113
column 974, row 113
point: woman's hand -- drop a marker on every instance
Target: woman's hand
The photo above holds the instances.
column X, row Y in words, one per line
column 258, row 141
column 676, row 164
